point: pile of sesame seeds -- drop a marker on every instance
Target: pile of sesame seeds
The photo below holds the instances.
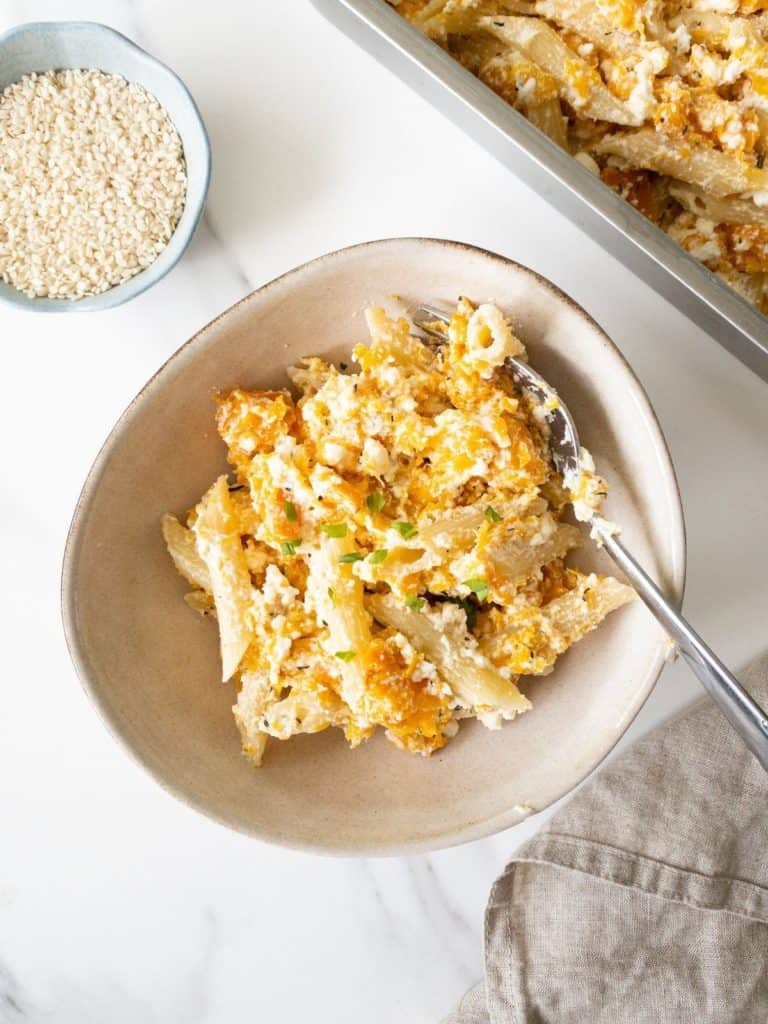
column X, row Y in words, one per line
column 92, row 182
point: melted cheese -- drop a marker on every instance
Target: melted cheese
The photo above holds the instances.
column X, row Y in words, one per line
column 420, row 475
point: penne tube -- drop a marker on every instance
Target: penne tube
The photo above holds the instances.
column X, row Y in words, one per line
column 690, row 77
column 730, row 210
column 593, row 23
column 220, row 547
column 182, row 547
column 579, row 610
column 252, row 702
column 548, row 118
column 515, row 559
column 333, row 581
column 472, row 677
column 716, row 172
column 337, row 595
column 534, row 645
column 580, row 83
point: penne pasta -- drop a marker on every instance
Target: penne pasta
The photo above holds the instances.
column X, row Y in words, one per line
column 182, row 547
column 691, row 78
column 729, row 210
column 719, row 174
column 579, row 610
column 718, row 31
column 580, row 83
column 455, row 529
column 338, row 598
column 459, row 527
column 749, row 286
column 472, row 677
column 513, row 559
column 534, row 645
column 548, row 118
column 220, row 548
column 375, row 525
column 252, row 703
column 594, row 24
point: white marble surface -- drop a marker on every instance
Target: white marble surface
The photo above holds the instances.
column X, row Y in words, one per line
column 117, row 903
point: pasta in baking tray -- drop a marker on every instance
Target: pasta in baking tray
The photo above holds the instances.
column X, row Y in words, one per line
column 391, row 550
column 665, row 100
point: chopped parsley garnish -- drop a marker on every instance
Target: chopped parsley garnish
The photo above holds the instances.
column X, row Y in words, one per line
column 375, row 502
column 492, row 515
column 414, row 602
column 406, row 530
column 351, row 556
column 479, row 587
column 377, row 557
column 336, row 529
column 332, row 594
column 288, row 547
column 290, row 511
column 345, row 655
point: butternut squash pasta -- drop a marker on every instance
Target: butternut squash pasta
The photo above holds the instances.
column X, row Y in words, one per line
column 389, row 550
column 665, row 100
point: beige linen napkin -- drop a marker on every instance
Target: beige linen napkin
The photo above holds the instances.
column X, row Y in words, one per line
column 645, row 899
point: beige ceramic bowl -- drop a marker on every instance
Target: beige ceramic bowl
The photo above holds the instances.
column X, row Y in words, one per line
column 151, row 664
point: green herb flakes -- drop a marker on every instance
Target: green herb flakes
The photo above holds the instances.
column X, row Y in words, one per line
column 375, row 502
column 406, row 530
column 479, row 587
column 336, row 529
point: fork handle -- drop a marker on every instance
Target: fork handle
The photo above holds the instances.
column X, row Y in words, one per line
column 745, row 715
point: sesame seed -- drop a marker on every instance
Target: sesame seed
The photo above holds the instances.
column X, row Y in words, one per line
column 92, row 182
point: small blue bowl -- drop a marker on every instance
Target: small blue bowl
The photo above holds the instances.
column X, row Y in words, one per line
column 58, row 45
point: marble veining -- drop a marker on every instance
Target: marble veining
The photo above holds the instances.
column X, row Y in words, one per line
column 11, row 998
column 119, row 905
column 456, row 939
column 197, row 1001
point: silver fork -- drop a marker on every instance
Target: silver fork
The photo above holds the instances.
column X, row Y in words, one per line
column 745, row 715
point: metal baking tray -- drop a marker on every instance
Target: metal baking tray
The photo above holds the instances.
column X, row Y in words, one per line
column 555, row 175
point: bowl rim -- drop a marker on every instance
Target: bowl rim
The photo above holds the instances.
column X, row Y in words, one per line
column 118, row 294
column 436, row 841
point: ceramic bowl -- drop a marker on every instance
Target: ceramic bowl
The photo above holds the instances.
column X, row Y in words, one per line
column 151, row 664
column 57, row 45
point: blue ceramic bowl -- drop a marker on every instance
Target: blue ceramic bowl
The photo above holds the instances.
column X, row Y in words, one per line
column 57, row 45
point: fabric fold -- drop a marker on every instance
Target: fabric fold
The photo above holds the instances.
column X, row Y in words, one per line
column 645, row 899
column 652, row 876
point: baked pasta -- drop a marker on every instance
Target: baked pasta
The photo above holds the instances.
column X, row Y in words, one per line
column 665, row 100
column 389, row 550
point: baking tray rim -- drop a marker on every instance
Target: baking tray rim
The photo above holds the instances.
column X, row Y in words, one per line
column 700, row 286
